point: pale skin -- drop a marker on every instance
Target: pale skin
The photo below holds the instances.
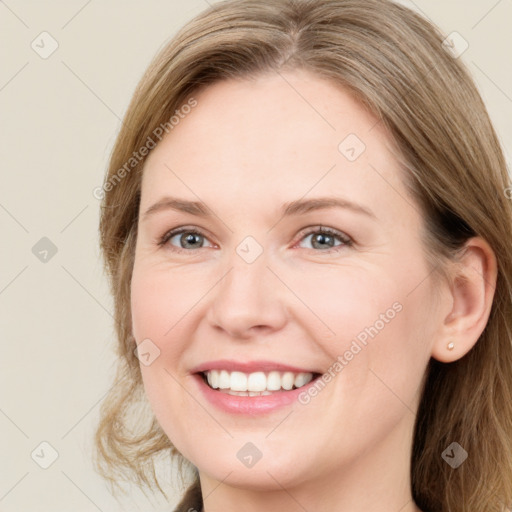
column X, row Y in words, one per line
column 246, row 149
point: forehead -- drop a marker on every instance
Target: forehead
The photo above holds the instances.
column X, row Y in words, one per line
column 276, row 136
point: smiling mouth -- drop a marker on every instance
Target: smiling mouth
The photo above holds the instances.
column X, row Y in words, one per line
column 256, row 383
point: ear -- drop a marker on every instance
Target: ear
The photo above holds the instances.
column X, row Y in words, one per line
column 472, row 293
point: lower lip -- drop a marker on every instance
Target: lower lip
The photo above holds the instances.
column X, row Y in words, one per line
column 250, row 405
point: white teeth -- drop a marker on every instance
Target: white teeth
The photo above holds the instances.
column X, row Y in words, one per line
column 301, row 379
column 224, row 379
column 245, row 393
column 274, row 381
column 213, row 378
column 238, row 381
column 287, row 380
column 257, row 383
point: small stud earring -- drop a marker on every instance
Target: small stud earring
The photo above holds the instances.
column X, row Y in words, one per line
column 450, row 346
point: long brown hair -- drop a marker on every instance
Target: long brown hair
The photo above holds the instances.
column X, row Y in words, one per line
column 394, row 63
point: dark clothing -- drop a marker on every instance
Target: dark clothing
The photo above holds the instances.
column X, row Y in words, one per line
column 192, row 501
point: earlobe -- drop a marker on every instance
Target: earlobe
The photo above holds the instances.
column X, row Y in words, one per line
column 472, row 291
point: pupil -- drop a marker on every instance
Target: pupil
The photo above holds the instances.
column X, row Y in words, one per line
column 323, row 240
column 189, row 239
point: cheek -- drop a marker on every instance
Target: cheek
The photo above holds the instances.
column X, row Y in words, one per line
column 386, row 350
column 160, row 299
column 162, row 309
column 344, row 301
column 378, row 324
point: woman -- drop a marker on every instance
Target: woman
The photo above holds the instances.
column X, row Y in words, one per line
column 307, row 231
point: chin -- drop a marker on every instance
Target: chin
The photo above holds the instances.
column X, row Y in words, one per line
column 263, row 475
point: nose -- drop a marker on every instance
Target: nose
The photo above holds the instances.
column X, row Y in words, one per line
column 248, row 300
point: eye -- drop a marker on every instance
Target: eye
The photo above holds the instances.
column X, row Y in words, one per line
column 324, row 239
column 185, row 239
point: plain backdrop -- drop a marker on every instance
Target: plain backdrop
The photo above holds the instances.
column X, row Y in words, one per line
column 60, row 114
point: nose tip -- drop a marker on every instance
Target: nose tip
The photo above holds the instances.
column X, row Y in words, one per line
column 240, row 330
column 247, row 301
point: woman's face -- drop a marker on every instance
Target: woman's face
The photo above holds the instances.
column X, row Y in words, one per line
column 254, row 285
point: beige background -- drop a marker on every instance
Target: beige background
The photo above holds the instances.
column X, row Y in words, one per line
column 60, row 116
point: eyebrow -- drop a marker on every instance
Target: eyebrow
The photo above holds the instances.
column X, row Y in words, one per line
column 298, row 207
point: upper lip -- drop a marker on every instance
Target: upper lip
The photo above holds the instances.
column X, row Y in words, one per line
column 248, row 366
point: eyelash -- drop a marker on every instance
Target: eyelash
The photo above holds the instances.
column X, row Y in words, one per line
column 346, row 241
